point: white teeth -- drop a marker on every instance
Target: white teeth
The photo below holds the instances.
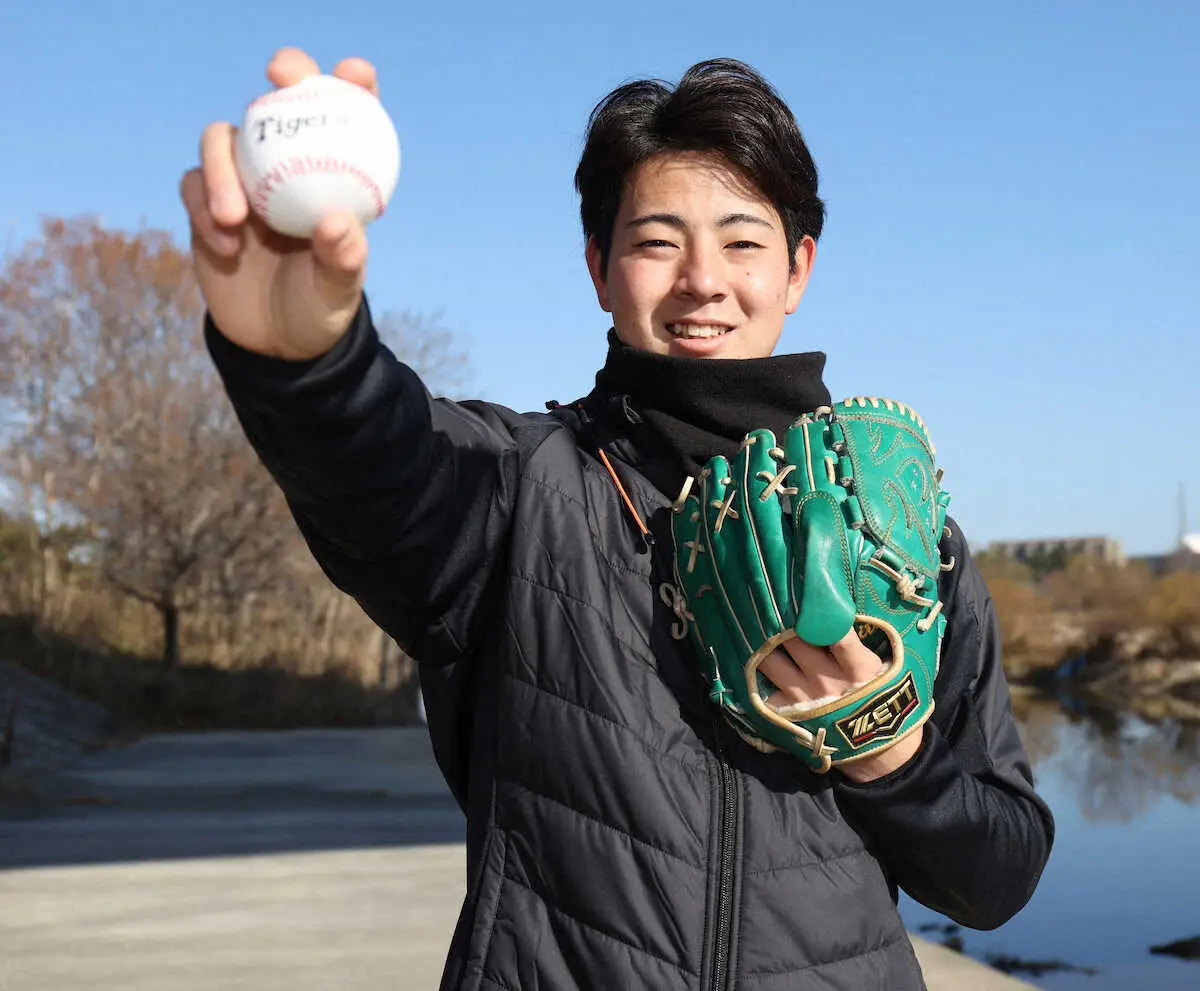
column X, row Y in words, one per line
column 696, row 329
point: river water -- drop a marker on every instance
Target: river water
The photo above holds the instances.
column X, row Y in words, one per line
column 1124, row 873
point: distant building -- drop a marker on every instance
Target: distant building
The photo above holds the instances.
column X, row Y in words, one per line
column 1059, row 548
column 1185, row 557
column 1157, row 564
column 1187, row 554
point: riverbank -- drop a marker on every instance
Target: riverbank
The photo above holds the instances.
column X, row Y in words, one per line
column 1153, row 688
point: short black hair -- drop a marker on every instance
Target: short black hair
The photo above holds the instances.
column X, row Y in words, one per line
column 721, row 107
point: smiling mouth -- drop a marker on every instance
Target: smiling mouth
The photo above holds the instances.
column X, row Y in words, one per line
column 691, row 330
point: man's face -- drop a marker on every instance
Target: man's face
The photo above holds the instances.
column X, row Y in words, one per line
column 699, row 264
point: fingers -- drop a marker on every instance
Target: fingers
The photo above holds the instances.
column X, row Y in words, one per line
column 289, row 66
column 222, row 186
column 339, row 246
column 359, row 71
column 859, row 663
column 804, row 673
column 340, row 243
column 213, row 194
column 206, row 232
column 822, row 675
column 781, row 671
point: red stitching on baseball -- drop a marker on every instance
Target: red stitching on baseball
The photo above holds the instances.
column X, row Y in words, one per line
column 300, row 165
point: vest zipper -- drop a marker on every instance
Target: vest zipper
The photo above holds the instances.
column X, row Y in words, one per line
column 727, row 842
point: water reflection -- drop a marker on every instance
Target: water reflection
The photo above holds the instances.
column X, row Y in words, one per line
column 1117, row 764
column 1117, row 907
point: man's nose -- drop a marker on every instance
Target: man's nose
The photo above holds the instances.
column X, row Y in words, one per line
column 702, row 273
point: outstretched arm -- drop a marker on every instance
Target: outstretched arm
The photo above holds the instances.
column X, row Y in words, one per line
column 403, row 499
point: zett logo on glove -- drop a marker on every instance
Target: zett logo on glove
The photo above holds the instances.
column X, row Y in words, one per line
column 880, row 718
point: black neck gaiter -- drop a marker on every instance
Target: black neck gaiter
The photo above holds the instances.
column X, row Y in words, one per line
column 700, row 407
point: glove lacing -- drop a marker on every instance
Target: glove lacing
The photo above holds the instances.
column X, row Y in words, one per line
column 677, row 602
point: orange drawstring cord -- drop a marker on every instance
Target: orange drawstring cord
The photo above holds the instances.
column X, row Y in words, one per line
column 585, row 422
column 647, row 536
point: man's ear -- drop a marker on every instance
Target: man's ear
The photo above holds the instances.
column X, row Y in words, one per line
column 806, row 254
column 592, row 253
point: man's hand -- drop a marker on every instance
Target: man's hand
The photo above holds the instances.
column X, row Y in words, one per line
column 268, row 293
column 804, row 673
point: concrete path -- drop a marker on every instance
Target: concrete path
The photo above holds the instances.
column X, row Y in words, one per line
column 304, row 861
column 233, row 794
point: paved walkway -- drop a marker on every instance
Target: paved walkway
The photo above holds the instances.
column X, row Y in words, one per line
column 305, row 861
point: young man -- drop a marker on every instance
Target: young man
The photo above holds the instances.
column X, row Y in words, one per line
column 620, row 833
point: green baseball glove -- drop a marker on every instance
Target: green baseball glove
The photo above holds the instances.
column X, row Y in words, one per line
column 836, row 529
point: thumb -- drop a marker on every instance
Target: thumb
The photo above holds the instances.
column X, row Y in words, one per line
column 339, row 247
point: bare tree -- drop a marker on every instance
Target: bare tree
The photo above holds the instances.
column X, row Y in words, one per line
column 122, row 415
column 37, row 382
column 122, row 451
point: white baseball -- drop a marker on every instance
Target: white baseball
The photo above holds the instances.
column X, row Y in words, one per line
column 324, row 144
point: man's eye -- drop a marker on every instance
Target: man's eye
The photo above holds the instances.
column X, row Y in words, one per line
column 742, row 245
column 655, row 243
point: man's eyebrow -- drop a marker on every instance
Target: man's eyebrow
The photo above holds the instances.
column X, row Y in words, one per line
column 669, row 219
column 677, row 222
column 744, row 218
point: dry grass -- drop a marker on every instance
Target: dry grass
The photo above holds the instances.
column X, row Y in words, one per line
column 147, row 697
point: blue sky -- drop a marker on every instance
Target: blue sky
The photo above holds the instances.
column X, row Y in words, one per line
column 1013, row 194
